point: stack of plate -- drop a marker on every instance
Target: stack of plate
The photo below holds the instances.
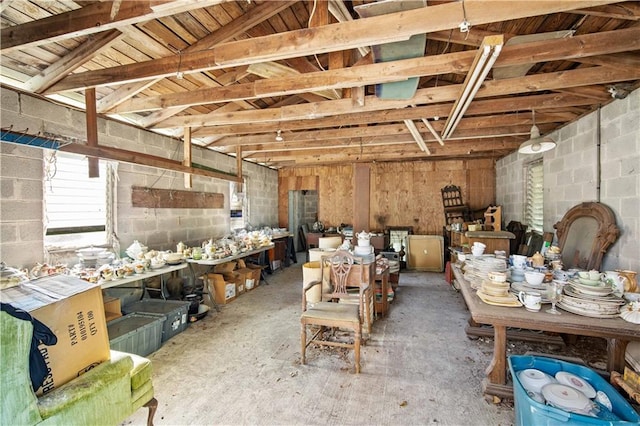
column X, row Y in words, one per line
column 597, row 301
column 517, row 287
column 477, row 268
column 508, row 300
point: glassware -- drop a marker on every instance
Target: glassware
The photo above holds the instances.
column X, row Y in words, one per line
column 554, row 294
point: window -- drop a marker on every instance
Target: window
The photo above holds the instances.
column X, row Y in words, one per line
column 238, row 205
column 534, row 213
column 77, row 209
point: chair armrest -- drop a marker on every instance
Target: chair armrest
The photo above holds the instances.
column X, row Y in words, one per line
column 85, row 386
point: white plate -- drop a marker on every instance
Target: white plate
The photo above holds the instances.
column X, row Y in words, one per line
column 565, row 397
column 576, row 382
column 533, row 380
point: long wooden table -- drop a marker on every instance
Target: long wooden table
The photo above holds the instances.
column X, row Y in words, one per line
column 616, row 331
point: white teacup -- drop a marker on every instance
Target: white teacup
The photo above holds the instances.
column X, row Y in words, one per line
column 531, row 301
column 594, row 275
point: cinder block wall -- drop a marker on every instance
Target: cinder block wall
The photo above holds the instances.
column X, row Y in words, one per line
column 571, row 175
column 21, row 177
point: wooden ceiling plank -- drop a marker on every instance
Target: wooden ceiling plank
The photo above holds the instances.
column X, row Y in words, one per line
column 71, row 61
column 241, row 24
column 288, row 81
column 93, row 18
column 526, row 84
column 333, row 37
column 226, row 32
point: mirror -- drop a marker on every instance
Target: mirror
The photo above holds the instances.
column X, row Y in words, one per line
column 585, row 233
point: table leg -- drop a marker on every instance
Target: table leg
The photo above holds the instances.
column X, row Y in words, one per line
column 616, row 349
column 496, row 381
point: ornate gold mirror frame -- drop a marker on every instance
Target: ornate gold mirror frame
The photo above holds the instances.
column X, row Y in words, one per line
column 585, row 233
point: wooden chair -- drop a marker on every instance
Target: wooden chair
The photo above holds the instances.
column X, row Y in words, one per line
column 330, row 312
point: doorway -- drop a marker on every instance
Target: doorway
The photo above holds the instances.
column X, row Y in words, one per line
column 303, row 210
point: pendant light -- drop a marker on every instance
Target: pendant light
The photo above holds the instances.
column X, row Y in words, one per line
column 536, row 143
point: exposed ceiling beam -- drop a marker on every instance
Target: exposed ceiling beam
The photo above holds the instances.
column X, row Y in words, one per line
column 90, row 19
column 327, row 38
column 276, row 84
column 492, row 106
column 83, row 53
column 527, row 84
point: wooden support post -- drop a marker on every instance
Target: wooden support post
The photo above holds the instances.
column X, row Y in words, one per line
column 92, row 129
column 239, row 161
column 186, row 157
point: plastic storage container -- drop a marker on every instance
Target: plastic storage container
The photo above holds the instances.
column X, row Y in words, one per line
column 139, row 334
column 174, row 313
column 531, row 412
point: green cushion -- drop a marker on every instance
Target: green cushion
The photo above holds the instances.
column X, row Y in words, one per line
column 19, row 403
column 141, row 371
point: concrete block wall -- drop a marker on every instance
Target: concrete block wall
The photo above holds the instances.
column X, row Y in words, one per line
column 571, row 175
column 22, row 180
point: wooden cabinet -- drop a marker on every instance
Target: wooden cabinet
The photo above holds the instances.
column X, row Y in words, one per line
column 380, row 242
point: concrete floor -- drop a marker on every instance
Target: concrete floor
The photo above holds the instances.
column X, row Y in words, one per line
column 242, row 365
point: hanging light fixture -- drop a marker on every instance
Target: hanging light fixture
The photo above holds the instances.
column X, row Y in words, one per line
column 536, row 143
column 279, row 137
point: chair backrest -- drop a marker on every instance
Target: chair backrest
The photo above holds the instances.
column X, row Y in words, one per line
column 19, row 402
column 338, row 266
column 451, row 196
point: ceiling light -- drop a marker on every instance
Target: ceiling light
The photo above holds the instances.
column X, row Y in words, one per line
column 477, row 73
column 279, row 137
column 536, row 143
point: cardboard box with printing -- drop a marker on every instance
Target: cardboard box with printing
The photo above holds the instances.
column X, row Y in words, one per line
column 73, row 309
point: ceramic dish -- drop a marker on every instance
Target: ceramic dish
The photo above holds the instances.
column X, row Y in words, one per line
column 534, row 380
column 587, row 281
column 509, row 301
column 566, row 398
column 585, row 313
column 576, row 382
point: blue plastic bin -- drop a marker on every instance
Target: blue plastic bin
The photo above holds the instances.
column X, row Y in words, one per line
column 530, row 412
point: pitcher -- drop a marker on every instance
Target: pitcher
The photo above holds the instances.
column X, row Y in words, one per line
column 632, row 280
column 616, row 281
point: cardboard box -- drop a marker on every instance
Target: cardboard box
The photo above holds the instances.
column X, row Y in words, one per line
column 74, row 310
column 257, row 272
column 236, row 278
column 247, row 277
column 223, row 291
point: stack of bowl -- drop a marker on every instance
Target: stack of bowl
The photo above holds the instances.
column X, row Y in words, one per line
column 497, row 284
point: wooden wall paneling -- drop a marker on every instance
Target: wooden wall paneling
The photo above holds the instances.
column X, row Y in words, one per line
column 335, row 195
column 361, row 197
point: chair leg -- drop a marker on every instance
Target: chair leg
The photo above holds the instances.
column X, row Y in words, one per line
column 153, row 406
column 303, row 339
column 356, row 349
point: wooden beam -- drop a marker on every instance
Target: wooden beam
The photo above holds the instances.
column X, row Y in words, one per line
column 91, row 19
column 155, row 198
column 83, row 53
column 280, row 80
column 92, row 129
column 142, row 159
column 239, row 161
column 520, row 103
column 624, row 10
column 333, row 37
column 526, row 84
column 186, row 156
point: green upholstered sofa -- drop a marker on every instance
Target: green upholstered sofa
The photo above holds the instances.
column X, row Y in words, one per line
column 104, row 395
